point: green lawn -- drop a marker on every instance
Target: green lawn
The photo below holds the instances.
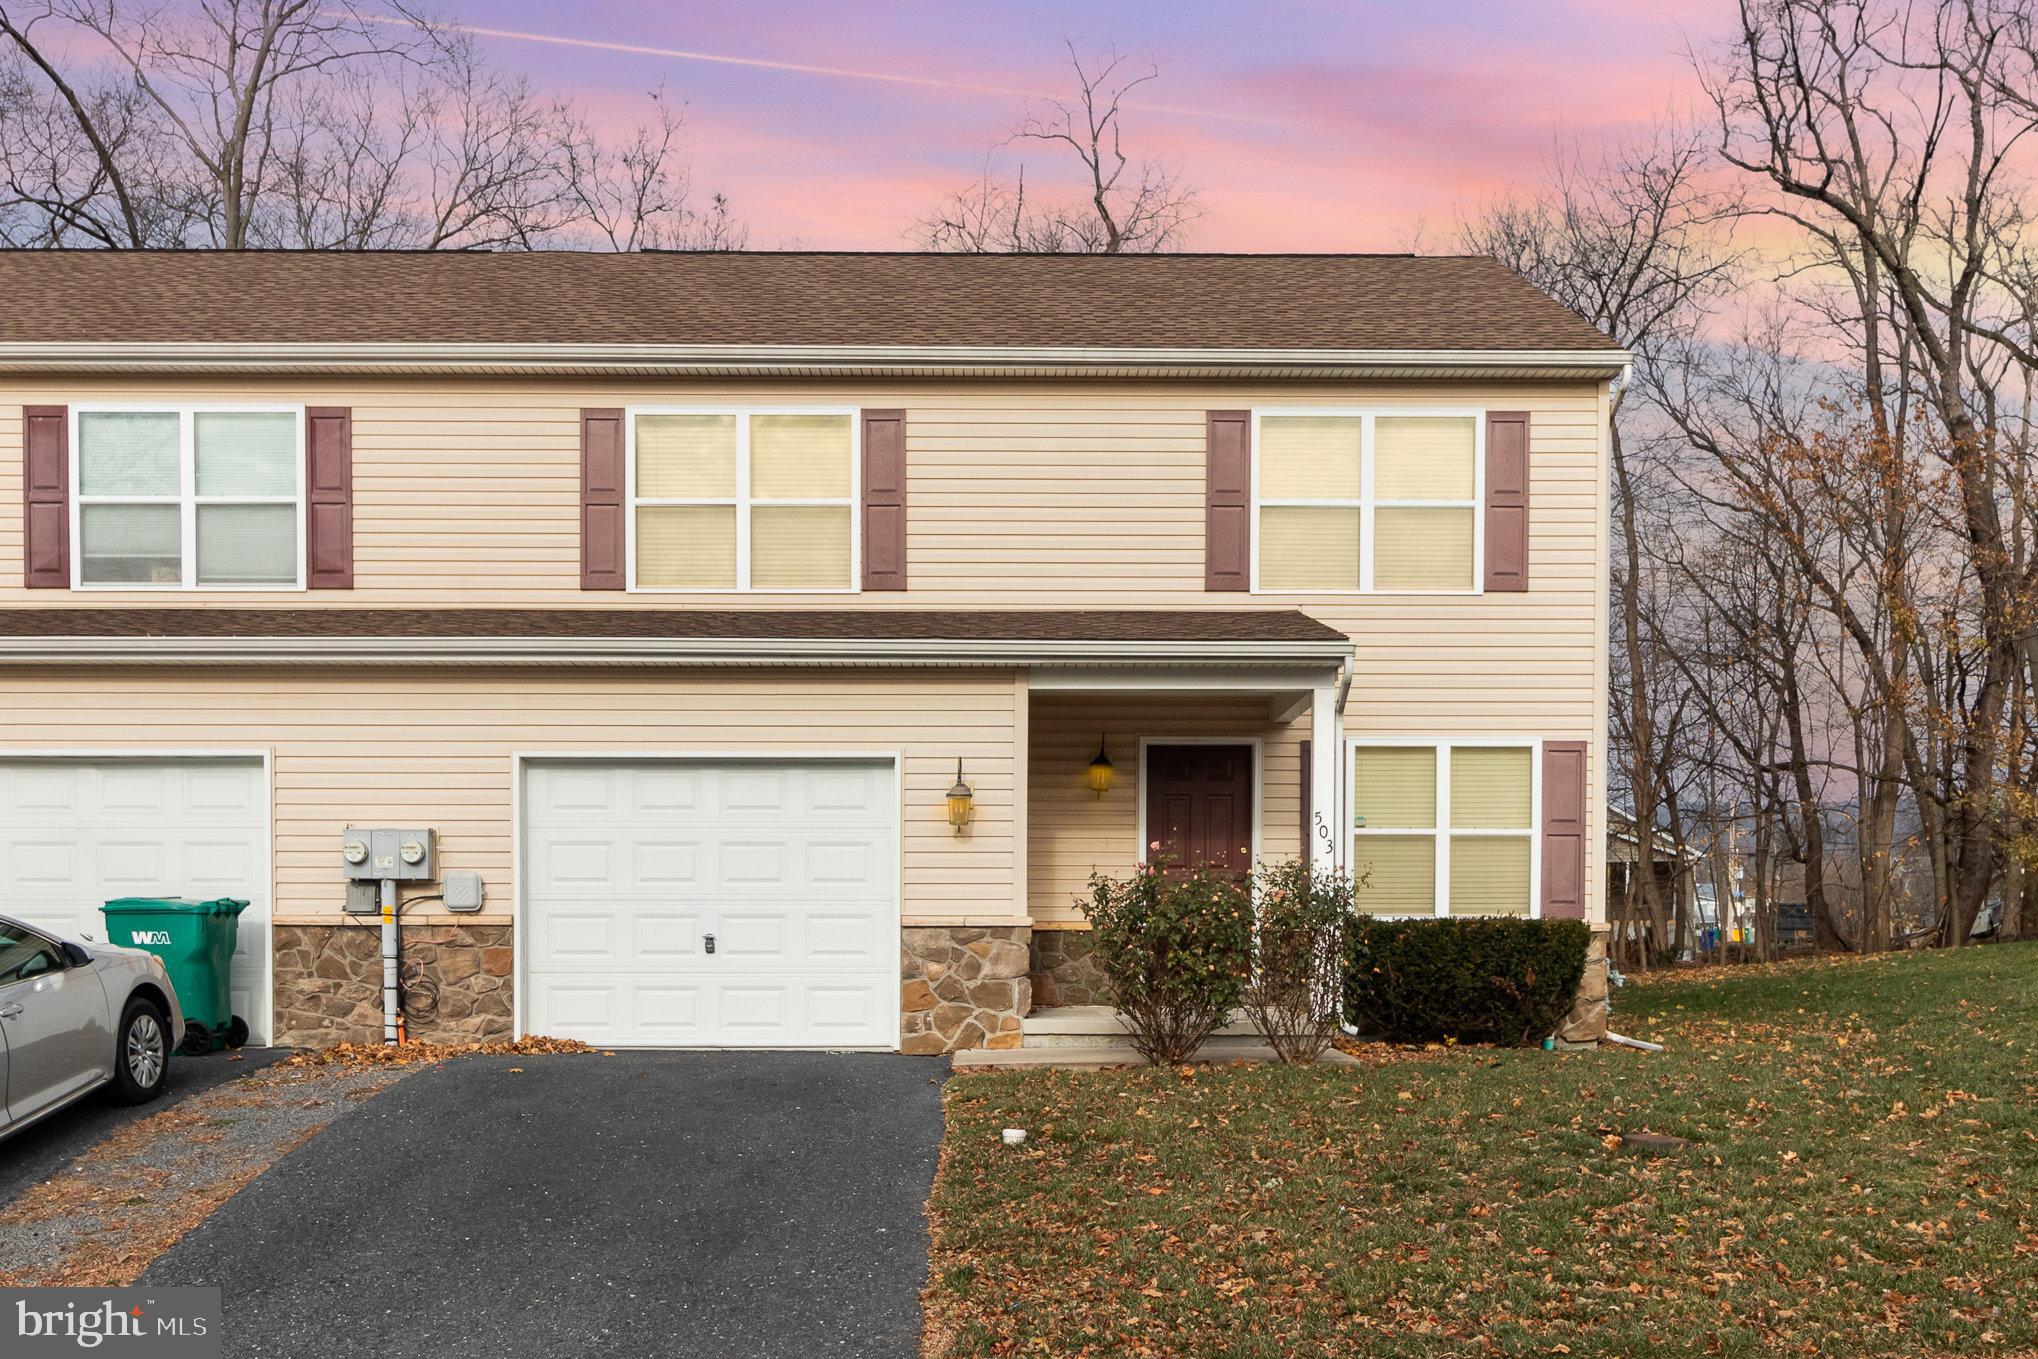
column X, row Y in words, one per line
column 1866, row 1183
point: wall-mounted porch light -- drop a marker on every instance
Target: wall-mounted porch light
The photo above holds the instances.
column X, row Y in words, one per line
column 1100, row 771
column 961, row 802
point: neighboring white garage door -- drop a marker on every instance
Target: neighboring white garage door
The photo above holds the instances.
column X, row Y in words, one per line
column 75, row 833
column 791, row 867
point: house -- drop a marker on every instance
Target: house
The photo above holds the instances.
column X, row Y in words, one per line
column 779, row 641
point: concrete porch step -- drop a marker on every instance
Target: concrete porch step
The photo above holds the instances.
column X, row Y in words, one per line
column 1100, row 1025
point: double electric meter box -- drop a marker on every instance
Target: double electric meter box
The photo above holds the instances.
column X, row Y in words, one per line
column 404, row 855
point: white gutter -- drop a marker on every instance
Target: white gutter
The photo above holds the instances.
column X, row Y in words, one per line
column 733, row 360
column 649, row 651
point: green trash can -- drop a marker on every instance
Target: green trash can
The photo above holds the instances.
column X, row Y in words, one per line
column 195, row 940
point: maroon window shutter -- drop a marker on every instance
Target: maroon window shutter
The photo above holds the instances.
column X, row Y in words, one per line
column 884, row 500
column 46, row 497
column 329, row 498
column 1308, row 790
column 1507, row 500
column 1564, row 823
column 601, row 500
column 1227, row 503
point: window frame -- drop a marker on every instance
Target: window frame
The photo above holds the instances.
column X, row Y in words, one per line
column 1368, row 502
column 1442, row 831
column 187, row 498
column 742, row 500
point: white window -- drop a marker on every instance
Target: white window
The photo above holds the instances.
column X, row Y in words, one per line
column 1448, row 828
column 1348, row 502
column 188, row 496
column 743, row 499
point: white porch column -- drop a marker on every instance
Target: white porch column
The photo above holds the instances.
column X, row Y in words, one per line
column 1324, row 812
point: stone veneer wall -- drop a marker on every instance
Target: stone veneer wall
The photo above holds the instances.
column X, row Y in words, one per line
column 329, row 983
column 1587, row 1021
column 1065, row 971
column 962, row 987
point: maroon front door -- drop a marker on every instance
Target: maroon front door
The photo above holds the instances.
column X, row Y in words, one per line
column 1199, row 805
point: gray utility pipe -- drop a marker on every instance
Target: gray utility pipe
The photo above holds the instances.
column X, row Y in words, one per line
column 389, row 1017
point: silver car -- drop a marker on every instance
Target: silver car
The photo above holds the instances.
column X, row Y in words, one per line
column 73, row 1019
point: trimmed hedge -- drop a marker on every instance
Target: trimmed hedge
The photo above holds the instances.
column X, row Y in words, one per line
column 1509, row 982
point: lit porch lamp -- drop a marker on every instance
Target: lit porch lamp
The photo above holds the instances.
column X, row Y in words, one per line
column 962, row 807
column 1100, row 770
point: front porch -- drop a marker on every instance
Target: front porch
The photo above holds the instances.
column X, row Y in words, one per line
column 1193, row 754
column 1218, row 763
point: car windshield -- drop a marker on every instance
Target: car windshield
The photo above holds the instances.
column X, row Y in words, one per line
column 24, row 954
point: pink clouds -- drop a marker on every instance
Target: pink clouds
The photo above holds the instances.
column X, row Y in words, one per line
column 1371, row 118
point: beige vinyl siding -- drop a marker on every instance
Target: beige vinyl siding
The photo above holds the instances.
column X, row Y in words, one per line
column 434, row 748
column 1020, row 495
column 1071, row 831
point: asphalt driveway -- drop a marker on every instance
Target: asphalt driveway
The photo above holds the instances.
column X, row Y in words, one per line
column 640, row 1204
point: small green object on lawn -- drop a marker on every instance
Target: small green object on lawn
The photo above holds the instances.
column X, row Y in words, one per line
column 195, row 940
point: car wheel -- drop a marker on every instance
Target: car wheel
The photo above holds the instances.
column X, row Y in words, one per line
column 141, row 1052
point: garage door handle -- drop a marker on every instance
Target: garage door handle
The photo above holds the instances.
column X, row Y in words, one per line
column 708, row 942
column 10, row 1011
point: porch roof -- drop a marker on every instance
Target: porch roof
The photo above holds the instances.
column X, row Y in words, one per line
column 859, row 635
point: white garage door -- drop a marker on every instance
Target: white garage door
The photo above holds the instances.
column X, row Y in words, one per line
column 790, row 868
column 75, row 833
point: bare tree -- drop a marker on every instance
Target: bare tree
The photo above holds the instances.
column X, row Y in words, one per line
column 1888, row 134
column 1126, row 205
column 318, row 124
column 1637, row 246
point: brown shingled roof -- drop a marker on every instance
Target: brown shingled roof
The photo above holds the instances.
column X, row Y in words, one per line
column 854, row 625
column 1245, row 302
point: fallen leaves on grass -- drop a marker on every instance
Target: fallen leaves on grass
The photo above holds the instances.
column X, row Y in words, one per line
column 1468, row 1201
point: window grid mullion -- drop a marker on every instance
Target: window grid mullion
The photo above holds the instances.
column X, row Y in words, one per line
column 187, row 452
column 743, row 501
column 1365, row 504
column 1443, row 829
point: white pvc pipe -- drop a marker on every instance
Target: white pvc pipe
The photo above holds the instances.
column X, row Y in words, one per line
column 389, row 961
column 1639, row 1044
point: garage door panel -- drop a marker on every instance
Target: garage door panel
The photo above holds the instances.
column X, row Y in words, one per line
column 844, row 1009
column 752, row 793
column 575, row 864
column 35, row 866
column 583, row 936
column 791, row 865
column 127, row 867
column 589, row 1006
column 674, row 935
column 217, row 790
column 856, row 791
column 669, row 1014
column 841, row 863
column 845, row 937
column 566, row 794
column 754, row 863
column 76, row 832
column 751, row 935
column 46, row 791
column 658, row 792
column 138, row 792
column 669, row 863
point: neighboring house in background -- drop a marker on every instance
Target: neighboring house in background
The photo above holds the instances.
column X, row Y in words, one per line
column 1676, row 874
column 678, row 593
